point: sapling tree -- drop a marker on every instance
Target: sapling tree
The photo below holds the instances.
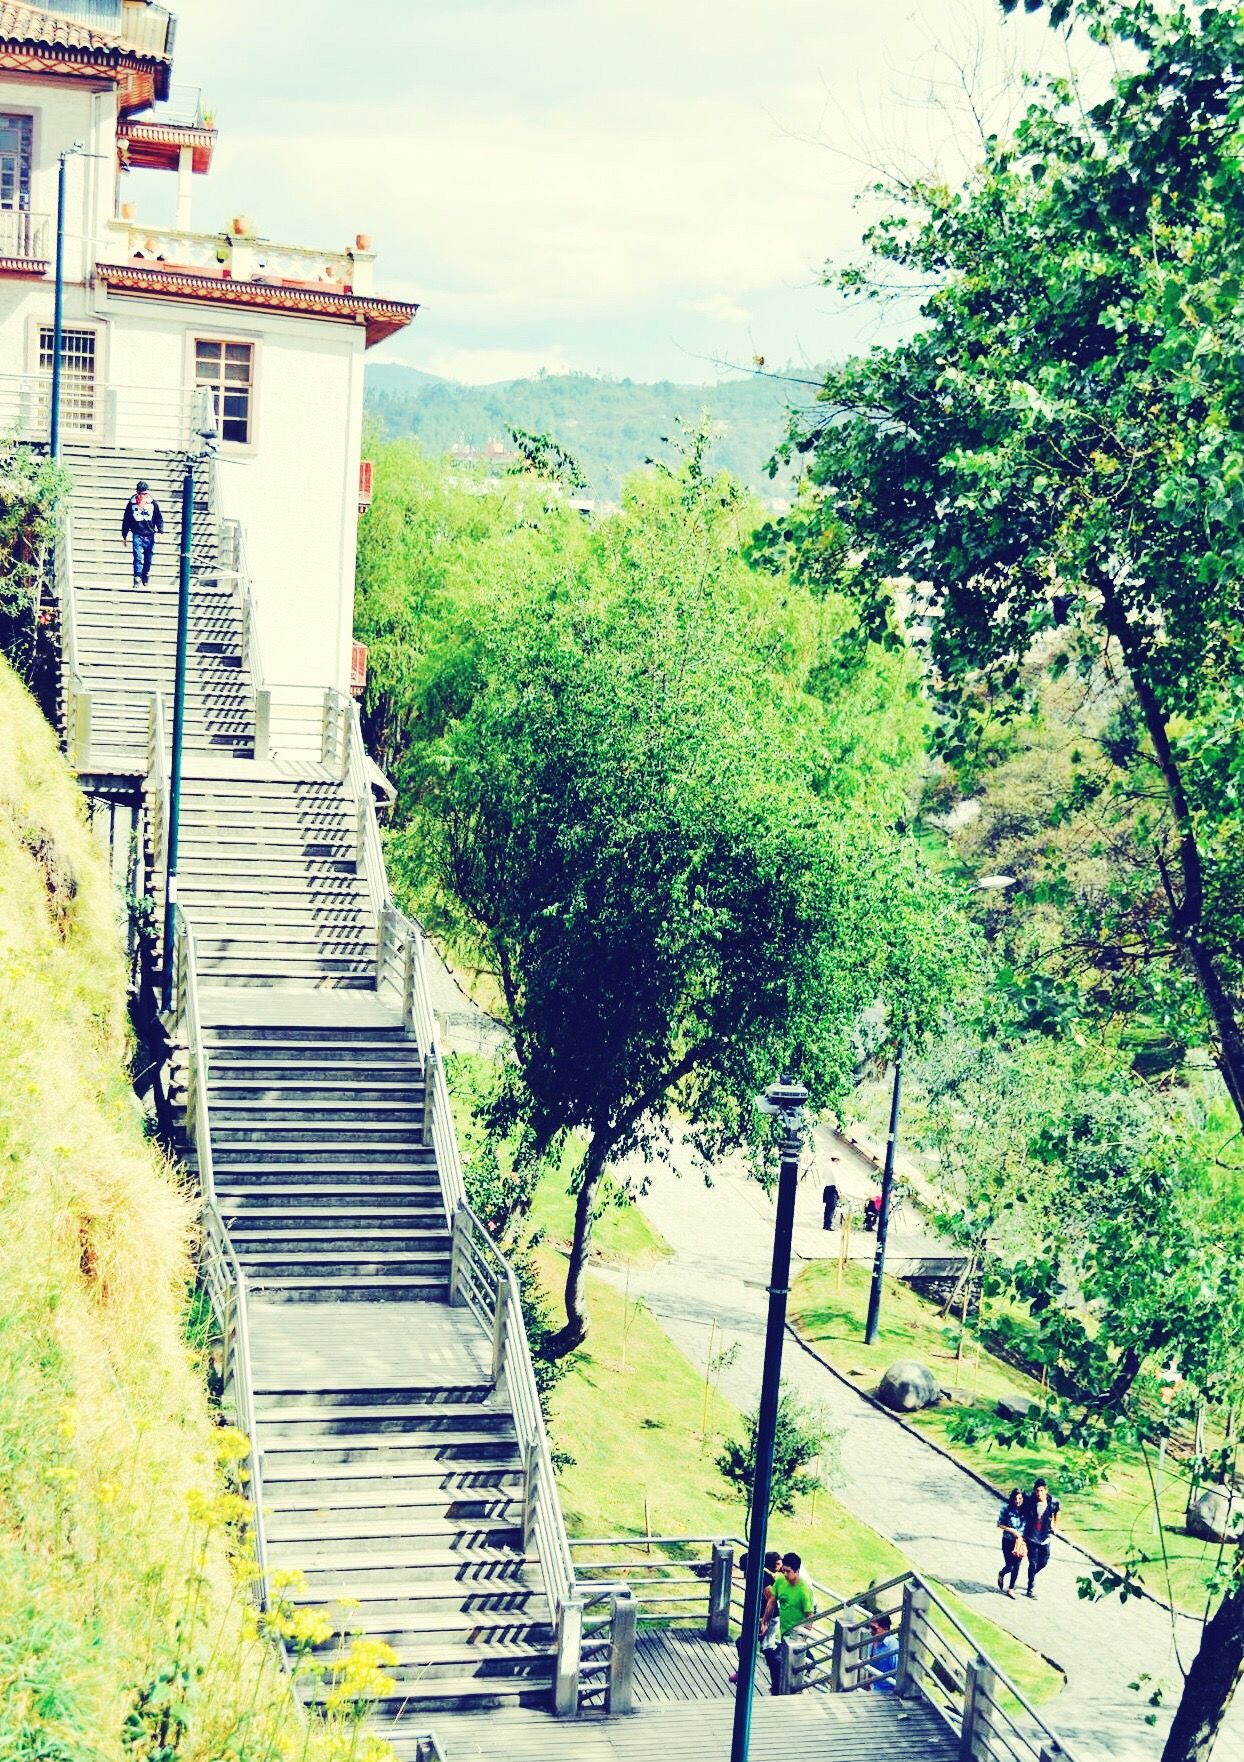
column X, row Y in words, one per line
column 803, row 1451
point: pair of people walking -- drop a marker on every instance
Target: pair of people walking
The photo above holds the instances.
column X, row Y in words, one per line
column 142, row 521
column 1028, row 1522
column 785, row 1600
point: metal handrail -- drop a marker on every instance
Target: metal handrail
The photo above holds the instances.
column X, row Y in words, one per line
column 223, row 1275
column 77, row 700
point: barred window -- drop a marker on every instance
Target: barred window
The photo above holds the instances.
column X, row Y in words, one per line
column 228, row 369
column 77, row 375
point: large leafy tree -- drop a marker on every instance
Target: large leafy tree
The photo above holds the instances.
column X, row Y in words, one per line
column 625, row 815
column 1055, row 460
column 1056, row 456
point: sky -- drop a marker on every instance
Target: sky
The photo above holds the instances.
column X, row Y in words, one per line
column 640, row 188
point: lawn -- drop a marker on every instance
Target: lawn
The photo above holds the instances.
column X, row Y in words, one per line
column 1115, row 1519
column 631, row 1412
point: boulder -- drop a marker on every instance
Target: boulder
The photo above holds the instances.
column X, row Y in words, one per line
column 1016, row 1406
column 1216, row 1513
column 908, row 1385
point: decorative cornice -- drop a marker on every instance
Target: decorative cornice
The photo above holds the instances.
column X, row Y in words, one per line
column 140, row 142
column 382, row 318
column 26, row 266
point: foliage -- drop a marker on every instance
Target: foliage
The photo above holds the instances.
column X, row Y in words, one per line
column 541, row 456
column 626, row 823
column 801, row 1450
column 119, row 1611
column 32, row 491
column 1055, row 457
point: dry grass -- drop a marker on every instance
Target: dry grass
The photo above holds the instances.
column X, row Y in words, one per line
column 115, row 1535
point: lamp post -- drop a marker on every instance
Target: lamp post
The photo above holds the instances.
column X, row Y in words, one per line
column 883, row 1221
column 205, row 429
column 785, row 1101
column 58, row 300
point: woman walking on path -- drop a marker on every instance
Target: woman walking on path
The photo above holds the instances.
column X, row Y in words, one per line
column 1011, row 1523
column 142, row 521
column 1040, row 1524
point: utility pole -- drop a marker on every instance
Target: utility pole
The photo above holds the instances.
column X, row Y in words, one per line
column 179, row 726
column 883, row 1222
column 785, row 1100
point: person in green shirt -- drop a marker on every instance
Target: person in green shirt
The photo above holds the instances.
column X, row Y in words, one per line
column 793, row 1596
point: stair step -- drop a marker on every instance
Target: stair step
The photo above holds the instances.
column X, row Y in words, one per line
column 356, row 1288
column 371, row 1478
column 417, row 1204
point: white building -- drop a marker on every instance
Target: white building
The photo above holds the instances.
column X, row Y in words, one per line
column 276, row 332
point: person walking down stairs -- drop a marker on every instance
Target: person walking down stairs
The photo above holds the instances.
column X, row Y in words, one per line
column 142, row 521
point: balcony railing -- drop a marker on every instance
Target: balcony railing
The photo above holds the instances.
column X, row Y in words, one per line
column 24, row 237
column 237, row 258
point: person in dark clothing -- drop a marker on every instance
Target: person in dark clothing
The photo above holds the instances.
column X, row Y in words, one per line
column 1040, row 1523
column 142, row 521
column 829, row 1199
column 872, row 1211
column 768, row 1608
column 1011, row 1522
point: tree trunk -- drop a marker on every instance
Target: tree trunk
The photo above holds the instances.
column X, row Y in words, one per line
column 572, row 1336
column 1210, row 1683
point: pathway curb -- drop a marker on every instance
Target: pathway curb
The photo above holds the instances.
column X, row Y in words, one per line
column 957, row 1462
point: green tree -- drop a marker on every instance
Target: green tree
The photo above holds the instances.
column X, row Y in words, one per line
column 1056, row 457
column 627, row 821
column 802, row 1447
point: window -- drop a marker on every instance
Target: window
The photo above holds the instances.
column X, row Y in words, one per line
column 16, row 136
column 77, row 375
column 228, row 368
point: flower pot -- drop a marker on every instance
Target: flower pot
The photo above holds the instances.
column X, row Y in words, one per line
column 241, row 227
column 128, row 210
column 362, row 241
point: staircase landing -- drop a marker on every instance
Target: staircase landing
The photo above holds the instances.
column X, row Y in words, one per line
column 365, row 1345
column 803, row 1728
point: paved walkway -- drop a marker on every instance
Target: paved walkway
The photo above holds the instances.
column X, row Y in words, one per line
column 893, row 1480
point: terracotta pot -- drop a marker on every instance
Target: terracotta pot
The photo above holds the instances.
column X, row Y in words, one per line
column 241, row 227
column 362, row 241
column 128, row 210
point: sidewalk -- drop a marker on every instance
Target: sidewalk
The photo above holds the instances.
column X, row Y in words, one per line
column 895, row 1481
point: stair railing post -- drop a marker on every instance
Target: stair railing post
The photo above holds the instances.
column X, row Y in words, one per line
column 382, row 936
column 569, row 1658
column 429, row 1094
column 720, row 1581
column 360, row 838
column 844, row 1667
column 457, row 1254
column 531, row 1493
column 500, row 1322
column 408, row 982
column 979, row 1695
column 263, row 724
column 911, row 1627
column 620, row 1695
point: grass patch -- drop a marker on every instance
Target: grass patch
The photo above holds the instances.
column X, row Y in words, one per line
column 1115, row 1519
column 632, row 1413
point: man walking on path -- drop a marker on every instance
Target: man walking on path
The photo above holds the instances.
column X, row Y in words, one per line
column 829, row 1200
column 1040, row 1523
column 142, row 521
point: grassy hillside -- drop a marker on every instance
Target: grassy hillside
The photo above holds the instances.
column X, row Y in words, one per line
column 611, row 426
column 123, row 1631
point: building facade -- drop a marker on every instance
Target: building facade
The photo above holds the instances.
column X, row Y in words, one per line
column 274, row 333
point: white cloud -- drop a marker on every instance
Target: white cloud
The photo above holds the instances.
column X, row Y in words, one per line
column 483, row 366
column 720, row 308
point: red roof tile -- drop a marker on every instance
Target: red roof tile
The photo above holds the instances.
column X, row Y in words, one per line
column 47, row 30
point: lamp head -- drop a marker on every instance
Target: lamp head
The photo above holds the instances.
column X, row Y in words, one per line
column 785, row 1101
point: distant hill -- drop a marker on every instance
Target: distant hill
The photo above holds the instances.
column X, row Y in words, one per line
column 610, row 425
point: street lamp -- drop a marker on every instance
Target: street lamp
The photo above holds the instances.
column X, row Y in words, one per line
column 58, row 307
column 204, row 414
column 785, row 1102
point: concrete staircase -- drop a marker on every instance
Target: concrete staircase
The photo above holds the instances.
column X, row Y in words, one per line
column 126, row 637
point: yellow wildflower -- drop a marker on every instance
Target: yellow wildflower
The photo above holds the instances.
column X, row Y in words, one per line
column 288, row 1578
column 229, row 1444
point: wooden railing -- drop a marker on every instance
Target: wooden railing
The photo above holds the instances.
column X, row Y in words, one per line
column 936, row 1659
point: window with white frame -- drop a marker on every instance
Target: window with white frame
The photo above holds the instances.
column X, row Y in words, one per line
column 16, row 142
column 228, row 371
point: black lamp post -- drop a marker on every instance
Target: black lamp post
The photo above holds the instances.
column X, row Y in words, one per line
column 205, row 429
column 784, row 1100
column 58, row 303
column 883, row 1221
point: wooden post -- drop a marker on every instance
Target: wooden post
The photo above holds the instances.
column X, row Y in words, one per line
column 457, row 1254
column 792, row 1662
column 408, row 982
column 844, row 1668
column 978, row 1705
column 500, row 1321
column 429, row 1093
column 915, row 1614
column 263, row 725
column 708, row 1372
column 569, row 1655
column 360, row 837
column 620, row 1695
column 721, row 1577
column 531, row 1494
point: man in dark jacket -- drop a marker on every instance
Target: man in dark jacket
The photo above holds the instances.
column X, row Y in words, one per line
column 142, row 521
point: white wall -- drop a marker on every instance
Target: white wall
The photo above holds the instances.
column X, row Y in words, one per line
column 295, row 488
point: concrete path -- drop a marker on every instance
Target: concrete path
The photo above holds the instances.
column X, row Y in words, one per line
column 895, row 1481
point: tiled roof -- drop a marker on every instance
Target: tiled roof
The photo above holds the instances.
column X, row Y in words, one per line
column 381, row 317
column 47, row 30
